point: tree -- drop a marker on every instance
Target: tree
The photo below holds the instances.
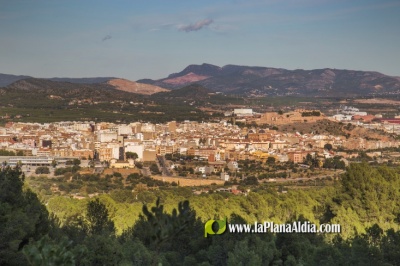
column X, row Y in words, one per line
column 139, row 165
column 48, row 252
column 251, row 180
column 101, row 250
column 75, row 168
column 22, row 217
column 154, row 169
column 42, row 170
column 335, row 163
column 132, row 177
column 328, row 146
column 179, row 232
column 271, row 160
column 242, row 254
column 75, row 162
column 117, row 174
column 131, row 155
column 6, row 153
column 97, row 219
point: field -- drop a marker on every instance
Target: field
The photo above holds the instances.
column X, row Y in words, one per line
column 377, row 101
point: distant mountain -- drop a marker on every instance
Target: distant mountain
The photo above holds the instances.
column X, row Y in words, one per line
column 262, row 81
column 83, row 80
column 135, row 87
column 6, row 79
column 202, row 70
column 250, row 81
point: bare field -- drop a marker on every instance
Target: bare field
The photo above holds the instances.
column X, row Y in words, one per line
column 377, row 101
column 135, row 87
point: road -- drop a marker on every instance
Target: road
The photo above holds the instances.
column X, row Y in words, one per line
column 163, row 166
column 145, row 171
column 284, row 180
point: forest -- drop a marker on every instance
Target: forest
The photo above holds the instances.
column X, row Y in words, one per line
column 166, row 227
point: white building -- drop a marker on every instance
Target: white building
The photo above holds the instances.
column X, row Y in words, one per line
column 243, row 112
column 115, row 149
column 147, row 127
column 124, row 130
column 107, row 136
column 225, row 176
column 340, row 117
column 135, row 147
column 81, row 126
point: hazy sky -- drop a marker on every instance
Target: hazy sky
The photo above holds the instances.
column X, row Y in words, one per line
column 153, row 38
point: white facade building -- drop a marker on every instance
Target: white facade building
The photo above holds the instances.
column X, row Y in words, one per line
column 243, row 112
column 107, row 136
column 135, row 147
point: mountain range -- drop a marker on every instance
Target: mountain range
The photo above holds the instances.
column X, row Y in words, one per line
column 263, row 81
column 247, row 81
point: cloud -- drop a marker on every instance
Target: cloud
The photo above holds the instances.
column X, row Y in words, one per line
column 107, row 37
column 196, row 26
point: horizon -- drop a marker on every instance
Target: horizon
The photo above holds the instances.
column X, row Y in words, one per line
column 114, row 77
column 137, row 40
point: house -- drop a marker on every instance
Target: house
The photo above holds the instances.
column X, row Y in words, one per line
column 298, row 156
column 122, row 164
column 225, row 176
column 233, row 165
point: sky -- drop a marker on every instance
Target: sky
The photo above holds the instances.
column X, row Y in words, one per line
column 154, row 38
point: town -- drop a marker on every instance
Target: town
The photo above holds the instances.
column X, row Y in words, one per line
column 274, row 147
column 200, row 133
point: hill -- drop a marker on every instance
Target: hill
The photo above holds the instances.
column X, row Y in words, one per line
column 42, row 100
column 32, row 88
column 134, row 87
column 6, row 79
column 83, row 80
column 193, row 92
column 45, row 96
column 266, row 81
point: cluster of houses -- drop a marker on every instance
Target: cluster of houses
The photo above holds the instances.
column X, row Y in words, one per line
column 363, row 119
column 221, row 143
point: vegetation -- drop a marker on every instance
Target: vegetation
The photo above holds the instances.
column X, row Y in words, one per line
column 117, row 229
column 131, row 155
column 312, row 113
column 39, row 100
column 63, row 170
column 42, row 170
column 23, row 219
column 334, row 163
column 7, row 153
column 74, row 162
column 328, row 146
